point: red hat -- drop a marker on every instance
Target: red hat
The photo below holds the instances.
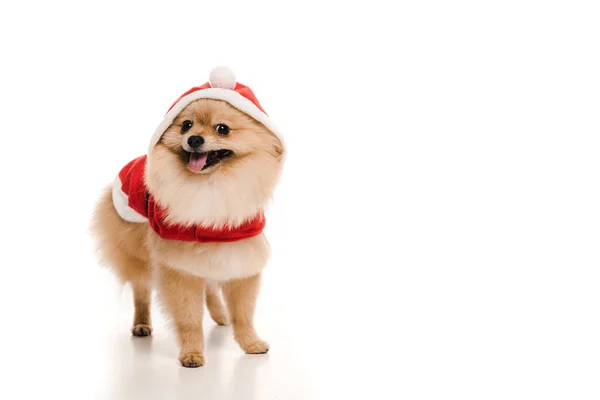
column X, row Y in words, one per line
column 221, row 86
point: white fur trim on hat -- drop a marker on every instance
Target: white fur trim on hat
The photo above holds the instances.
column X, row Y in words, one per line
column 231, row 96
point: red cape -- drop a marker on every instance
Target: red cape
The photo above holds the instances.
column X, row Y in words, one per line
column 142, row 201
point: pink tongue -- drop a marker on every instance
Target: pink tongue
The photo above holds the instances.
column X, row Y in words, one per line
column 197, row 161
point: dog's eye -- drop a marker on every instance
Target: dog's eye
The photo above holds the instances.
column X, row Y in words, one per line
column 186, row 126
column 222, row 129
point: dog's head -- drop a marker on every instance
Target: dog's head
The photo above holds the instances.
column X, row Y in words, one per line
column 214, row 163
column 212, row 137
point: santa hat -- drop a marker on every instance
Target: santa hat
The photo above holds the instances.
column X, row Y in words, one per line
column 221, row 86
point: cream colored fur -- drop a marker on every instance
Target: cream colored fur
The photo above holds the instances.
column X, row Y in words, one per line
column 226, row 194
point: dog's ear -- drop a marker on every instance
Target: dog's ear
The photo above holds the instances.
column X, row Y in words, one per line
column 278, row 147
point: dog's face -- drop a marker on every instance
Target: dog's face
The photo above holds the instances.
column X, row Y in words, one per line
column 214, row 163
column 209, row 135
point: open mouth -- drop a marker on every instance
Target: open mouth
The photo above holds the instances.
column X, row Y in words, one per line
column 202, row 161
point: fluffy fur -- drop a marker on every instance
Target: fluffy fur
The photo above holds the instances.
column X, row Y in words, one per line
column 188, row 274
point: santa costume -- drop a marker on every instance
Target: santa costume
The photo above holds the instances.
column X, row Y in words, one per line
column 134, row 202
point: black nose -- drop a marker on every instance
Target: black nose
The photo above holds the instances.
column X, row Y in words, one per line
column 195, row 141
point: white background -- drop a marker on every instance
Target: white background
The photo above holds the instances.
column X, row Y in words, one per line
column 435, row 234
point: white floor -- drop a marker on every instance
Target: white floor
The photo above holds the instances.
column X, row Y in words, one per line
column 431, row 333
column 76, row 343
column 147, row 368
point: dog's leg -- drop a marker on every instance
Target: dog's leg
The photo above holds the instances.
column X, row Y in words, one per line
column 138, row 273
column 214, row 304
column 183, row 296
column 241, row 295
column 142, row 291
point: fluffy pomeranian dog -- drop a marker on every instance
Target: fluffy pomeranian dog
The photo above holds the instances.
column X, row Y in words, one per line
column 187, row 218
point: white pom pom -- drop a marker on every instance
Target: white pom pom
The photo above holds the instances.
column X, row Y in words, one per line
column 222, row 77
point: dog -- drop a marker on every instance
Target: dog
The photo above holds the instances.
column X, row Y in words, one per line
column 187, row 218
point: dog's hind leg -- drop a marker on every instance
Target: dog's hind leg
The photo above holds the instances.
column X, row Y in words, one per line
column 138, row 273
column 215, row 305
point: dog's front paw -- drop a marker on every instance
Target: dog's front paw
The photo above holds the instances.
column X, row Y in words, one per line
column 192, row 359
column 141, row 330
column 257, row 347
